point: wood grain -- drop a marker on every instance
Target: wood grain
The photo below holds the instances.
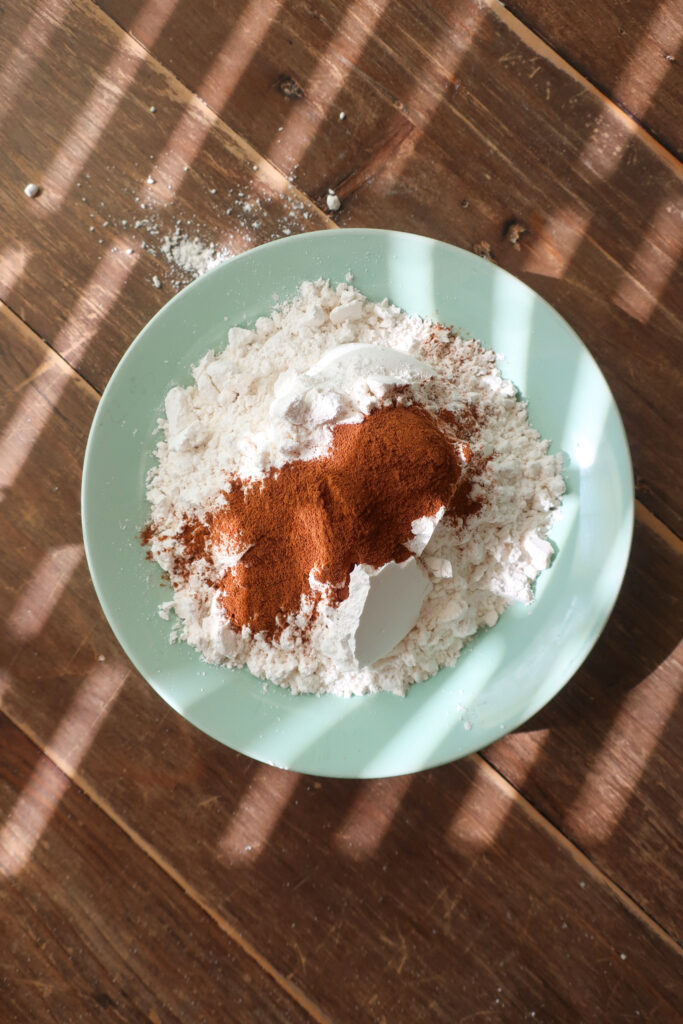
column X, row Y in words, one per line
column 87, row 135
column 280, row 74
column 439, row 897
column 397, row 879
column 631, row 52
column 433, row 144
column 579, row 762
column 93, row 929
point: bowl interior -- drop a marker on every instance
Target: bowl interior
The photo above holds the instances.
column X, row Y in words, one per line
column 507, row 673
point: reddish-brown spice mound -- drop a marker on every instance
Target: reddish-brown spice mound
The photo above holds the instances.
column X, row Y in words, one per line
column 354, row 505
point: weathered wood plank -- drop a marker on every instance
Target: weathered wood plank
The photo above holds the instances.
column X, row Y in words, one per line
column 579, row 762
column 397, row 880
column 79, row 262
column 631, row 52
column 280, row 74
column 431, row 125
column 92, row 929
column 429, row 60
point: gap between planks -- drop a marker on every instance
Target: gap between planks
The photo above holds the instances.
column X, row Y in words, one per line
column 352, row 181
column 650, row 520
column 289, row 987
column 544, row 49
column 643, row 515
column 540, row 44
column 578, row 855
column 236, row 142
column 293, row 990
column 516, row 26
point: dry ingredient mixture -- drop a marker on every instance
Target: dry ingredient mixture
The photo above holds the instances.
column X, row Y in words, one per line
column 337, row 439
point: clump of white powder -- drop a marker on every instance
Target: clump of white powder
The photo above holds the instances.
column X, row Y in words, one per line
column 254, row 407
column 190, row 255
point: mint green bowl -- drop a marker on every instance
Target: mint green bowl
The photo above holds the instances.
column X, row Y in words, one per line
column 507, row 673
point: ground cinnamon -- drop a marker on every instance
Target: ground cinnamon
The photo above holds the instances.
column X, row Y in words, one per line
column 354, row 505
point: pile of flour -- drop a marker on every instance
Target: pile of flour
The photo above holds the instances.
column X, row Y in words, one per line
column 189, row 255
column 233, row 421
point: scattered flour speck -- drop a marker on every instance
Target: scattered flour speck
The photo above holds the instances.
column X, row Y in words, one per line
column 191, row 255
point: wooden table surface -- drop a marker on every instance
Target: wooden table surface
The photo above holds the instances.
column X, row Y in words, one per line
column 148, row 873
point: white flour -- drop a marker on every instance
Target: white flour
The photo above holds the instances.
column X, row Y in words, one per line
column 190, row 255
column 224, row 424
column 184, row 247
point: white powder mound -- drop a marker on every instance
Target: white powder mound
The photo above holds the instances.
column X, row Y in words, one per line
column 254, row 406
column 191, row 255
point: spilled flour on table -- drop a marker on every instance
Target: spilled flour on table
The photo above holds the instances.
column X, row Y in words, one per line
column 190, row 255
column 184, row 245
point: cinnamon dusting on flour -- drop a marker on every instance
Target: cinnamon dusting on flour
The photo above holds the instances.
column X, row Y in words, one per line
column 324, row 516
column 223, row 448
